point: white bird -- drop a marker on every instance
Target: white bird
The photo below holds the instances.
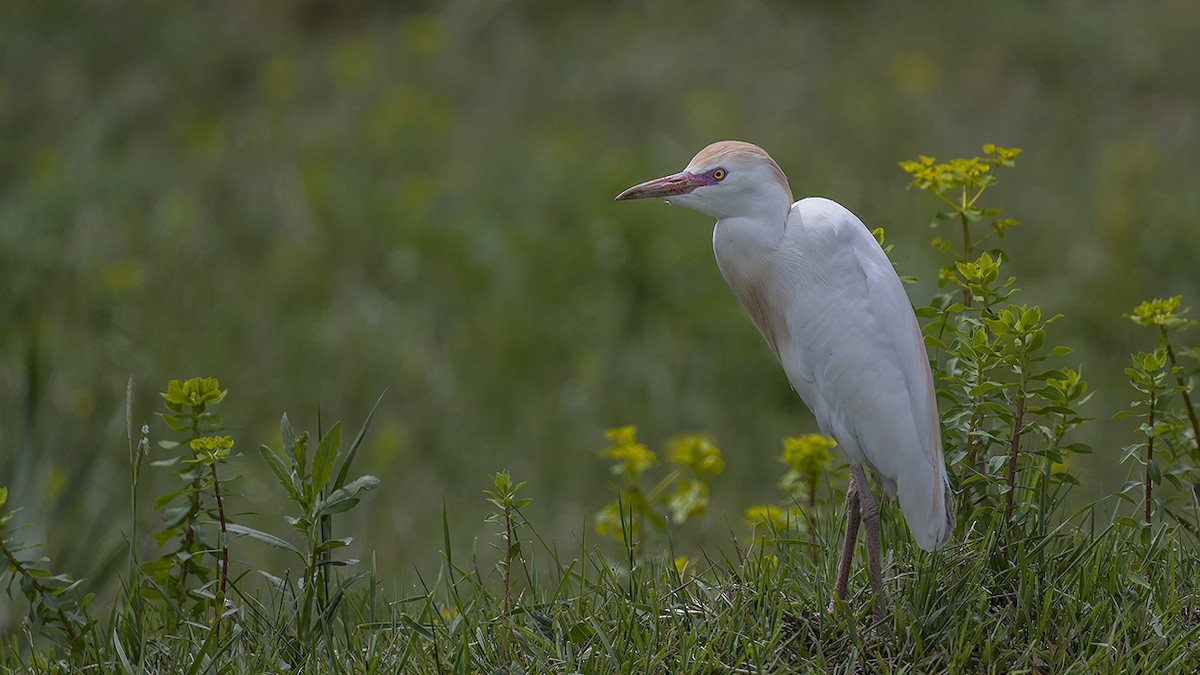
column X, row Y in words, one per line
column 828, row 302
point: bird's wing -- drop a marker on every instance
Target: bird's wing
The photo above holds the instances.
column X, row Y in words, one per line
column 855, row 353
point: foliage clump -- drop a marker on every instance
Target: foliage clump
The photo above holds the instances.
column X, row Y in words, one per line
column 806, row 457
column 192, row 573
column 1006, row 416
column 57, row 607
column 1167, row 448
column 681, row 494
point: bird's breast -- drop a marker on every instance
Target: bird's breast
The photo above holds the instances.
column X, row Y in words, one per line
column 755, row 297
column 746, row 250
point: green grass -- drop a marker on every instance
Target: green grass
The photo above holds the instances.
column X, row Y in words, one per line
column 1088, row 597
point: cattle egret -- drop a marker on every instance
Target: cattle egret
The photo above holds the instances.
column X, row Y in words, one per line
column 828, row 303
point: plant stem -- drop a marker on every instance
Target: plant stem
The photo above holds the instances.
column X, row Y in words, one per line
column 310, row 579
column 189, row 536
column 1150, row 455
column 1012, row 454
column 224, row 550
column 967, row 251
column 971, row 461
column 1187, row 399
column 508, row 547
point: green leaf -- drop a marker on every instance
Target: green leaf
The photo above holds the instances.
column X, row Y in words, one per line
column 1137, row 578
column 1131, row 451
column 175, row 515
column 417, row 628
column 995, row 462
column 120, row 648
column 934, row 343
column 163, row 500
column 281, row 472
column 580, row 633
column 323, row 459
column 339, row 505
column 940, row 217
column 201, row 658
column 334, row 544
column 264, row 537
column 1050, row 410
column 344, row 498
column 275, row 581
column 173, row 422
column 1154, row 471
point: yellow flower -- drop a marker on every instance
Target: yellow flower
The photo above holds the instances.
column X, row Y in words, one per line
column 622, row 435
column 632, row 457
column 697, row 452
column 211, row 449
column 808, row 454
column 196, row 392
column 963, row 172
column 1161, row 312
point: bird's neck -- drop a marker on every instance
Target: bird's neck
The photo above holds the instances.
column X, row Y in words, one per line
column 744, row 249
column 740, row 243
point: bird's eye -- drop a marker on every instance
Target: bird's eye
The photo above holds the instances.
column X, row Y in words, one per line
column 718, row 174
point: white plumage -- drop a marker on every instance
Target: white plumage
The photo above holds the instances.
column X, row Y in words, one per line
column 852, row 349
column 828, row 302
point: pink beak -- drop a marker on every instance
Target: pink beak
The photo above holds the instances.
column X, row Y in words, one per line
column 668, row 186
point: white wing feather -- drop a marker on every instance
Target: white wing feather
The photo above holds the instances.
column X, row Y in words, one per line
column 852, row 348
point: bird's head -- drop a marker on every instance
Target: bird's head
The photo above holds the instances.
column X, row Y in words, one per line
column 728, row 179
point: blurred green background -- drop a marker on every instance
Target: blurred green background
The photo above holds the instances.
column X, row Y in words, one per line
column 318, row 201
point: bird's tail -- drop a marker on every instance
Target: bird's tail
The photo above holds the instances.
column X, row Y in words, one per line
column 930, row 519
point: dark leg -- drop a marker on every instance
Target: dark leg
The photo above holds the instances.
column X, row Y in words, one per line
column 870, row 517
column 852, row 519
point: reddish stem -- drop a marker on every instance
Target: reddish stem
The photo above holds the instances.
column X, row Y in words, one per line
column 1187, row 399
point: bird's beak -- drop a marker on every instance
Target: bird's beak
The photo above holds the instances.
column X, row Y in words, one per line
column 668, row 186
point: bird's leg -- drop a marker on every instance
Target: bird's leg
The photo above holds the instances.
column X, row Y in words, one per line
column 870, row 517
column 852, row 519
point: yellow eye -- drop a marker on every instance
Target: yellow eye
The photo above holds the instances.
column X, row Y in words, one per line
column 718, row 174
